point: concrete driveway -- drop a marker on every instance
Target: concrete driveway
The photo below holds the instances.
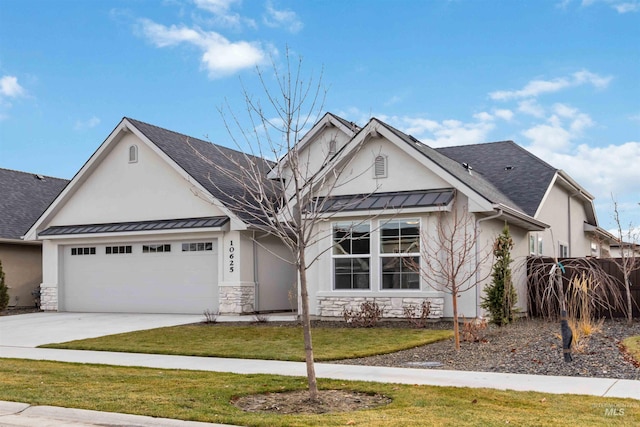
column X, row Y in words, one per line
column 34, row 329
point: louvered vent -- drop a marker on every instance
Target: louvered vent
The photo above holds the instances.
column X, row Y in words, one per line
column 380, row 167
column 332, row 147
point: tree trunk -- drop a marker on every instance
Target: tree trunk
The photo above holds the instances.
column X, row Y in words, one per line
column 306, row 328
column 456, row 327
column 629, row 300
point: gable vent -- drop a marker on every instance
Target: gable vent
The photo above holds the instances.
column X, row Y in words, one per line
column 332, row 147
column 380, row 167
column 133, row 154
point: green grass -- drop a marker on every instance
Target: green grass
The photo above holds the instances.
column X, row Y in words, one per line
column 206, row 396
column 261, row 341
column 632, row 344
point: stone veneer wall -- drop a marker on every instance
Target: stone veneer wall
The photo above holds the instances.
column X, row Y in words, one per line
column 48, row 298
column 237, row 299
column 391, row 306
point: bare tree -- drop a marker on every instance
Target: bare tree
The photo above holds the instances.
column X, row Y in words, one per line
column 287, row 199
column 451, row 261
column 628, row 262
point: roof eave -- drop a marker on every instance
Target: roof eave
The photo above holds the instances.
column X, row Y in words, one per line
column 521, row 219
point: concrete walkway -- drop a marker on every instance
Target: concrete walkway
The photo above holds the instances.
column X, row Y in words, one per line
column 603, row 387
column 19, row 337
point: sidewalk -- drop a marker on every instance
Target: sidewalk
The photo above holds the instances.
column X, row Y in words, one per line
column 604, row 387
column 14, row 414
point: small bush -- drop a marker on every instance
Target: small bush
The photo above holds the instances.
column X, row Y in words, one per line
column 4, row 291
column 367, row 316
column 473, row 330
column 418, row 316
column 210, row 316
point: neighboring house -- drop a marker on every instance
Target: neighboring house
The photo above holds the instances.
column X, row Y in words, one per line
column 143, row 228
column 396, row 192
column 630, row 250
column 23, row 198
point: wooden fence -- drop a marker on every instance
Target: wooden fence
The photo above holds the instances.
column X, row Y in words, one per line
column 608, row 266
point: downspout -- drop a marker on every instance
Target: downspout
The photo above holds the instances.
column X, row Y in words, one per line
column 497, row 215
column 256, row 287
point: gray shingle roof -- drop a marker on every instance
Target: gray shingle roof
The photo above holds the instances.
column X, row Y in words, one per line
column 184, row 151
column 513, row 170
column 136, row 226
column 476, row 181
column 23, row 198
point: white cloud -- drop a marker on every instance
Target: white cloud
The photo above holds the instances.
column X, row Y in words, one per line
column 445, row 133
column 220, row 56
column 86, row 124
column 561, row 128
column 483, row 116
column 10, row 88
column 620, row 6
column 538, row 87
column 531, row 107
column 217, row 7
column 221, row 9
column 504, row 114
column 601, row 170
column 282, row 19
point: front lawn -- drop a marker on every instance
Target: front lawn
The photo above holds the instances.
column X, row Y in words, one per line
column 261, row 341
column 206, row 396
column 632, row 344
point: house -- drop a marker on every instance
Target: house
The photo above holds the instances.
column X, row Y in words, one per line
column 23, row 198
column 143, row 227
column 395, row 195
column 148, row 225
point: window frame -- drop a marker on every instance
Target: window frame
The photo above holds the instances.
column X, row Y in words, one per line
column 400, row 254
column 156, row 248
column 83, row 250
column 353, row 256
column 563, row 250
column 187, row 247
column 118, row 250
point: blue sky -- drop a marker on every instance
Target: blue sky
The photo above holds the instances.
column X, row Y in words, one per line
column 559, row 77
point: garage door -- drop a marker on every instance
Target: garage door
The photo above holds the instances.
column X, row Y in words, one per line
column 158, row 277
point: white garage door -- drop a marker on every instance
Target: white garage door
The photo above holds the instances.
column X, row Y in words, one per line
column 158, row 277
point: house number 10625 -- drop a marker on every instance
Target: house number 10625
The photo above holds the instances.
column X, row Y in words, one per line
column 232, row 249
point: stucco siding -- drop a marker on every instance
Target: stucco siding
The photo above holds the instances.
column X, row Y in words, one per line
column 404, row 173
column 119, row 191
column 22, row 266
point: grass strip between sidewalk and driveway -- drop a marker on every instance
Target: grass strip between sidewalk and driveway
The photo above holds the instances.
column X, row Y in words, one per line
column 207, row 396
column 261, row 341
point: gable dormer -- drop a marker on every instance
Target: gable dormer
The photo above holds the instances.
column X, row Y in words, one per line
column 317, row 147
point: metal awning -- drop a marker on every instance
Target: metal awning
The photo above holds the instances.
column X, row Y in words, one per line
column 390, row 200
column 119, row 227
